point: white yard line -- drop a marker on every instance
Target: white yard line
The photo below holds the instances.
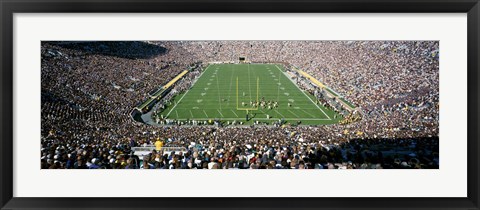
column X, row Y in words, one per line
column 307, row 112
column 176, row 113
column 278, row 87
column 279, row 113
column 191, row 113
column 306, row 95
column 205, row 113
column 168, row 114
column 218, row 89
column 249, row 88
column 234, row 113
column 220, row 113
column 230, row 89
column 293, row 113
column 263, row 112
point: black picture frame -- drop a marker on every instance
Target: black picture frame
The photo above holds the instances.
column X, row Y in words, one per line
column 9, row 7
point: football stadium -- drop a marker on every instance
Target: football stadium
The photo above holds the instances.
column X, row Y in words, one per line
column 240, row 105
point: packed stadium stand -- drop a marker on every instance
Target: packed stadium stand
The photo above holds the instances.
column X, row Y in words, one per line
column 89, row 91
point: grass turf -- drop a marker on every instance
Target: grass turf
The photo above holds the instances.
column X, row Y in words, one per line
column 214, row 96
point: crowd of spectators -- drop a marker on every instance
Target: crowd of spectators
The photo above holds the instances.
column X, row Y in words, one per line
column 89, row 88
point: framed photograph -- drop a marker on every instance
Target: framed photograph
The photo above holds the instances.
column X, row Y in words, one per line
column 298, row 105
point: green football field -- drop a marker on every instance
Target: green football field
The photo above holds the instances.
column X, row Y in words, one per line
column 224, row 91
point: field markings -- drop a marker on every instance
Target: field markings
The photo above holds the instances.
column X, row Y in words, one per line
column 263, row 112
column 199, row 117
column 308, row 97
column 234, row 113
column 307, row 113
column 293, row 113
column 258, row 90
column 220, row 113
column 278, row 87
column 231, row 83
column 249, row 88
column 168, row 114
column 279, row 113
column 219, row 100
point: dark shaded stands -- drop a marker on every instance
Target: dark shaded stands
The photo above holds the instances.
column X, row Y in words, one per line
column 121, row 49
